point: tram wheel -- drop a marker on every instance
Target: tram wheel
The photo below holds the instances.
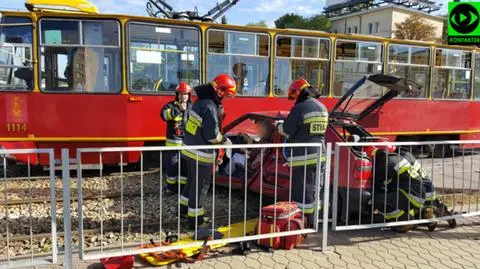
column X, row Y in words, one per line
column 432, row 226
column 452, row 223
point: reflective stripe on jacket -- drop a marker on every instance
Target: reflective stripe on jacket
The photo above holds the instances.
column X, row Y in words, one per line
column 306, row 123
column 176, row 120
column 203, row 126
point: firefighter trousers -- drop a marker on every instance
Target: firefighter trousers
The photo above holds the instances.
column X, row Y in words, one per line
column 395, row 205
column 193, row 195
column 172, row 163
column 303, row 190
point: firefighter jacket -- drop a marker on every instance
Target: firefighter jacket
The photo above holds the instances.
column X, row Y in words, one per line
column 306, row 123
column 394, row 173
column 176, row 120
column 203, row 125
column 416, row 169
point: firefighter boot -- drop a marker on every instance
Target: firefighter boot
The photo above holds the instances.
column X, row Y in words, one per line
column 429, row 214
column 403, row 228
column 442, row 210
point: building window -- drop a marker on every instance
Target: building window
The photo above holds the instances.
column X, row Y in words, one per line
column 349, row 30
column 370, row 28
column 355, row 29
column 377, row 27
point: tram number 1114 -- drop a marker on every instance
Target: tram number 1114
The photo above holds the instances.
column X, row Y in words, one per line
column 16, row 127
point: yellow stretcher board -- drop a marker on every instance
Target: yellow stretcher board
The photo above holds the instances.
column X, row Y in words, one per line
column 234, row 230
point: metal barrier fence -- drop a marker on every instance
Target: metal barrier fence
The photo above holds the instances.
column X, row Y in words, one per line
column 28, row 235
column 128, row 210
column 404, row 187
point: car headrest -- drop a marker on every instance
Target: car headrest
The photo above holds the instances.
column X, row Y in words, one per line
column 353, row 138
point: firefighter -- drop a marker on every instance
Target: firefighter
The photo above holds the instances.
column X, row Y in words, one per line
column 433, row 205
column 397, row 186
column 174, row 113
column 306, row 123
column 428, row 190
column 203, row 128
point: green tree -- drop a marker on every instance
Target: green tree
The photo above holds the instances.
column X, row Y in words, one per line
column 258, row 24
column 444, row 38
column 318, row 22
column 414, row 28
column 291, row 20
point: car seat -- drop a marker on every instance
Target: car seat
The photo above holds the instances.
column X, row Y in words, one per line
column 353, row 138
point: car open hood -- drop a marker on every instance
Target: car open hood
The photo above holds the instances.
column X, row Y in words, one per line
column 369, row 94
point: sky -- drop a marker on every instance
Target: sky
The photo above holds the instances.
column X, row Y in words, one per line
column 243, row 12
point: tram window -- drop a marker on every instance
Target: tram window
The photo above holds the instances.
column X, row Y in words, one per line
column 420, row 55
column 309, row 61
column 287, row 70
column 346, row 51
column 242, row 55
column 216, row 42
column 354, row 60
column 419, row 74
column 60, row 32
column 476, row 81
column 359, row 51
column 310, row 48
column 346, row 74
column 71, row 64
column 284, row 46
column 297, row 47
column 107, row 30
column 452, row 74
column 370, row 52
column 398, row 54
column 452, row 58
column 161, row 56
column 410, row 62
column 16, row 72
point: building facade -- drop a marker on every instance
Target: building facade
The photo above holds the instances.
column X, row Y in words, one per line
column 381, row 21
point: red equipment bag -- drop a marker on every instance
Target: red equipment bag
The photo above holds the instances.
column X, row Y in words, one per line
column 123, row 262
column 281, row 217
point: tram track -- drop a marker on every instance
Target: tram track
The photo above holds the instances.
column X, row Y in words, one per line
column 73, row 199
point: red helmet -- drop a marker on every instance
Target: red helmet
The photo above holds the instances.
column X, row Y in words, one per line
column 371, row 150
column 296, row 88
column 224, row 85
column 183, row 87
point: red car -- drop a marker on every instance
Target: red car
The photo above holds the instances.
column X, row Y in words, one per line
column 355, row 169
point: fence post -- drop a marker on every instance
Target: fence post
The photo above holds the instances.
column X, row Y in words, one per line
column 67, row 222
column 336, row 155
column 326, row 197
column 53, row 204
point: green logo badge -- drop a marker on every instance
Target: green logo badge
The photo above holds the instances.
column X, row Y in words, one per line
column 463, row 22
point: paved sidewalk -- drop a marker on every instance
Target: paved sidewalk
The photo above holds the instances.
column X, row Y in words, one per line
column 375, row 248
